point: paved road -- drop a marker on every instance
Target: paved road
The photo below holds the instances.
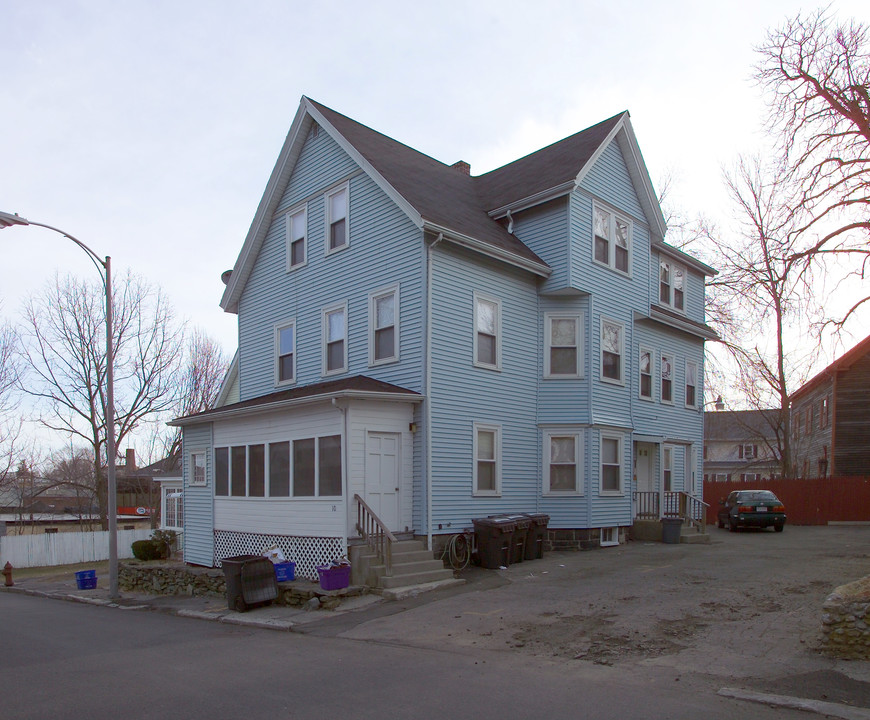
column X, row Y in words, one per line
column 642, row 630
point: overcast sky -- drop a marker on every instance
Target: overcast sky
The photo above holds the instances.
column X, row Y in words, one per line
column 149, row 129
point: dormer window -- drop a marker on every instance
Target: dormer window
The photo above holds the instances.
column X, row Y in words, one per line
column 612, row 239
column 672, row 285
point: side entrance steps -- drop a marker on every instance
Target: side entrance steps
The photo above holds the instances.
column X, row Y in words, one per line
column 651, row 531
column 693, row 535
column 413, row 567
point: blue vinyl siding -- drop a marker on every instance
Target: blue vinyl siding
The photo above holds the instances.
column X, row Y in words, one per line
column 384, row 250
column 546, row 230
column 463, row 394
column 610, row 181
column 198, row 501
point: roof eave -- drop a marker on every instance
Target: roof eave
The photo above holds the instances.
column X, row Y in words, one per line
column 537, row 199
column 691, row 328
column 685, row 258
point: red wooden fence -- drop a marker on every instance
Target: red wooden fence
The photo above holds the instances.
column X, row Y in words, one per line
column 814, row 501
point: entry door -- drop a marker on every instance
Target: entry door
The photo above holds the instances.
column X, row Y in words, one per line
column 382, row 477
column 643, row 467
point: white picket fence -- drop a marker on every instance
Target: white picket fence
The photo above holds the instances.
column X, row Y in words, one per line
column 65, row 548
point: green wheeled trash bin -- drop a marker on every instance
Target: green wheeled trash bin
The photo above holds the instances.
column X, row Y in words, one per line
column 671, row 530
column 494, row 541
column 537, row 535
column 250, row 580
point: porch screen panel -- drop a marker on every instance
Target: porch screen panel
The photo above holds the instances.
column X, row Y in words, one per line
column 303, row 468
column 221, row 471
column 329, row 465
column 256, row 471
column 238, row 480
column 279, row 469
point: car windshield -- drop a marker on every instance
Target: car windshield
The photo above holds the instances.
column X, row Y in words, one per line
column 763, row 495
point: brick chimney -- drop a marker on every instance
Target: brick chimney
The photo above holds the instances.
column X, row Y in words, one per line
column 462, row 167
column 131, row 459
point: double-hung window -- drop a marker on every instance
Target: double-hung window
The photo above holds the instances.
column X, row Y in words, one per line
column 564, row 345
column 487, row 332
column 612, row 351
column 487, row 459
column 611, row 464
column 336, row 219
column 285, row 343
column 646, row 372
column 384, row 326
column 197, row 469
column 611, row 239
column 173, row 508
column 335, row 339
column 672, row 280
column 667, row 377
column 562, row 471
column 296, row 233
column 691, row 384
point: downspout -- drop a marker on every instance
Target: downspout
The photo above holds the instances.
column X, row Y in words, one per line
column 345, row 467
column 589, row 371
column 427, row 356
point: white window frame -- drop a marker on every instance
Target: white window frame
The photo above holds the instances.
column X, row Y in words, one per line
column 496, row 429
column 613, row 218
column 303, row 211
column 194, row 481
column 620, row 450
column 577, row 435
column 694, row 365
column 393, row 291
column 663, row 359
column 172, row 497
column 345, row 188
column 278, row 328
column 478, row 298
column 668, row 468
column 673, row 269
column 621, row 326
column 642, row 349
column 577, row 317
column 609, row 537
column 324, row 325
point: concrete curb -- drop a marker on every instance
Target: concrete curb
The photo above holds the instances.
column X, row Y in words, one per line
column 828, row 709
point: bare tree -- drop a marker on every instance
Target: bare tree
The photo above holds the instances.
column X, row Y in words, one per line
column 10, row 427
column 768, row 293
column 64, row 348
column 817, row 75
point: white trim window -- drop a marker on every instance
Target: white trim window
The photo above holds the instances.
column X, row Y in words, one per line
column 334, row 323
column 564, row 345
column 384, row 326
column 336, row 219
column 297, row 231
column 645, row 365
column 563, row 453
column 285, row 353
column 691, row 384
column 611, row 457
column 668, row 468
column 672, row 285
column 487, row 459
column 487, row 332
column 197, row 469
column 666, row 392
column 612, row 351
column 611, row 239
column 173, row 509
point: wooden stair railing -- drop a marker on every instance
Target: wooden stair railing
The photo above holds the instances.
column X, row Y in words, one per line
column 376, row 535
column 677, row 504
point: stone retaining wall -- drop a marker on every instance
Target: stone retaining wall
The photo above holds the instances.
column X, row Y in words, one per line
column 173, row 578
column 846, row 621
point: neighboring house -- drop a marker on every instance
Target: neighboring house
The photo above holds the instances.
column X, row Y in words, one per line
column 830, row 418
column 446, row 347
column 166, row 473
column 741, row 445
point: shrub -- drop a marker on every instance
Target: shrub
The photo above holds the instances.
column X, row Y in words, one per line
column 146, row 550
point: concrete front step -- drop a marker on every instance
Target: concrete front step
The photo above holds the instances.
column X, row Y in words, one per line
column 413, row 565
column 417, row 578
column 694, row 537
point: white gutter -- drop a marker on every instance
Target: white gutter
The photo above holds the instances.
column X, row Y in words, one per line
column 537, row 199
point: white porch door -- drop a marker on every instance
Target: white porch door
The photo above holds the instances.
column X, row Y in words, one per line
column 382, row 477
column 643, row 467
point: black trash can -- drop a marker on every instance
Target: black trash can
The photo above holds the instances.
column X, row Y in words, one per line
column 671, row 530
column 521, row 534
column 250, row 580
column 494, row 541
column 537, row 535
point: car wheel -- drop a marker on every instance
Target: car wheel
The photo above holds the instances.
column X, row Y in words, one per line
column 732, row 524
column 778, row 527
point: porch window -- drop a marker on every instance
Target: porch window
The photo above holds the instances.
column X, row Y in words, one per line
column 667, row 389
column 562, row 471
column 646, row 364
column 303, row 468
column 611, row 464
column 256, row 471
column 563, row 345
column 238, row 480
column 487, row 459
column 612, row 343
column 487, row 332
column 336, row 209
column 221, row 471
column 329, row 465
column 279, row 469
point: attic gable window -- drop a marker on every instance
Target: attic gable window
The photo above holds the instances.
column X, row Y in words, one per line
column 612, row 239
column 672, row 285
column 336, row 220
column 296, row 231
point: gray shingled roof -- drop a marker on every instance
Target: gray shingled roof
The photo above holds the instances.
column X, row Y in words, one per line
column 739, row 424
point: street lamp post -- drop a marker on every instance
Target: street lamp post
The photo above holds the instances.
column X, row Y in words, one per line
column 8, row 220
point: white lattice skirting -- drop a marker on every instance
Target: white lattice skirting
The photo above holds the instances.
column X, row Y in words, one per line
column 306, row 552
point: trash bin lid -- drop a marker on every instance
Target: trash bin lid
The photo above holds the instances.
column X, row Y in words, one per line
column 538, row 518
column 522, row 520
column 502, row 523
